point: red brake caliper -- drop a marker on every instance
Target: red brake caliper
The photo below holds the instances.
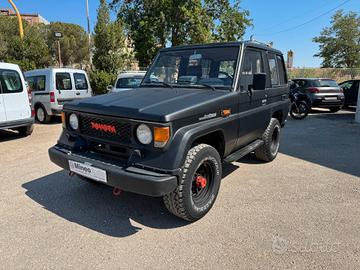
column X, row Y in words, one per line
column 201, row 181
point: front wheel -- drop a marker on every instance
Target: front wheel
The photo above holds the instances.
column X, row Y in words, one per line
column 299, row 110
column 42, row 116
column 199, row 184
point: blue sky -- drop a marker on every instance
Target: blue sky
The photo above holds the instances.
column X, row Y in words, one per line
column 269, row 17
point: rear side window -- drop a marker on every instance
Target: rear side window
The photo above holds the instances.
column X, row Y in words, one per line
column 281, row 68
column 63, row 81
column 32, row 83
column 41, row 83
column 325, row 83
column 10, row 81
column 274, row 72
column 37, row 83
column 80, row 81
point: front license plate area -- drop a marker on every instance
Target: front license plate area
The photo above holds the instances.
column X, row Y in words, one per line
column 330, row 98
column 88, row 171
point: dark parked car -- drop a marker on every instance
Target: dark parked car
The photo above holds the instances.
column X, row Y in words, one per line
column 197, row 107
column 324, row 93
column 351, row 92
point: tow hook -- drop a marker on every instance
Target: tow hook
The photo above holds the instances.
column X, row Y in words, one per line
column 116, row 191
column 71, row 174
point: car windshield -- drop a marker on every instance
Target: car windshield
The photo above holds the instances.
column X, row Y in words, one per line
column 326, row 83
column 130, row 82
column 211, row 68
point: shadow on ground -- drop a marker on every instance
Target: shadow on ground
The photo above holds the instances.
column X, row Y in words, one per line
column 93, row 205
column 328, row 139
column 9, row 135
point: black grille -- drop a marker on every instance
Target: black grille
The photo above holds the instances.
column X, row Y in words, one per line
column 110, row 129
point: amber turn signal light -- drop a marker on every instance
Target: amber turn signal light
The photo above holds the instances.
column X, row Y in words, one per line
column 63, row 119
column 161, row 136
column 225, row 112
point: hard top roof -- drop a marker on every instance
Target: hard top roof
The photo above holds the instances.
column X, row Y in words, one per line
column 253, row 44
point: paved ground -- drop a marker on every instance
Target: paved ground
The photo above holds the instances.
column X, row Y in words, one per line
column 299, row 212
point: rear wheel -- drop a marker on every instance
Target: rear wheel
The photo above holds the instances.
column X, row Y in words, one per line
column 271, row 137
column 42, row 116
column 335, row 109
column 25, row 131
column 199, row 184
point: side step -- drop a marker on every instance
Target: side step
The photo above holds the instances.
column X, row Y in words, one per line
column 244, row 151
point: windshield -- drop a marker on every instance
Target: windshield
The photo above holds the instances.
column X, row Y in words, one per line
column 131, row 82
column 204, row 67
column 326, row 83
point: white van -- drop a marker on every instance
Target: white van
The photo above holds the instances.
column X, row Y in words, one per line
column 15, row 103
column 53, row 87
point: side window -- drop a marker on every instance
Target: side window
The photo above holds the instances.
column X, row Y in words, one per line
column 281, row 68
column 31, row 83
column 10, row 82
column 273, row 69
column 252, row 64
column 80, row 81
column 63, row 81
column 40, row 83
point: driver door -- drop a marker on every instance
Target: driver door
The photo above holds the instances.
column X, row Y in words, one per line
column 253, row 116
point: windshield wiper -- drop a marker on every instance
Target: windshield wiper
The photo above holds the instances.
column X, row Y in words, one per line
column 204, row 84
column 158, row 83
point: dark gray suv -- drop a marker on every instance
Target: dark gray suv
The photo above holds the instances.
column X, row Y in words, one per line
column 324, row 93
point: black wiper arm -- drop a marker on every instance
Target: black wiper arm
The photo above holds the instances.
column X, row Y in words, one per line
column 206, row 85
column 159, row 83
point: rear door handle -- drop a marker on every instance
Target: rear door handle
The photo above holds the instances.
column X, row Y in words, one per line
column 78, row 94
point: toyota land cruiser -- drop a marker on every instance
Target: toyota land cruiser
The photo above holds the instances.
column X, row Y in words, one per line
column 197, row 107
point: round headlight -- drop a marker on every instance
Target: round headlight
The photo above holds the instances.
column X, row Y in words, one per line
column 144, row 134
column 74, row 121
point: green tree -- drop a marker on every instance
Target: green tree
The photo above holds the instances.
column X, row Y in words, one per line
column 154, row 24
column 74, row 43
column 110, row 42
column 340, row 43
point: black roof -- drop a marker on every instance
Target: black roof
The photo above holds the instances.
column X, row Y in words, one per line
column 253, row 44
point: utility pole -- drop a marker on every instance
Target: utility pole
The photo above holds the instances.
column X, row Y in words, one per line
column 21, row 28
column 58, row 36
column 89, row 31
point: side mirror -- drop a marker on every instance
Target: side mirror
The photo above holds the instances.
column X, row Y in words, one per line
column 109, row 88
column 259, row 81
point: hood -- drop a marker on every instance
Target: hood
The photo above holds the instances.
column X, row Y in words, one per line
column 149, row 104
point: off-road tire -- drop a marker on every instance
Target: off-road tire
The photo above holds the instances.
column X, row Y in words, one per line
column 180, row 202
column 268, row 151
column 26, row 131
column 335, row 109
column 46, row 119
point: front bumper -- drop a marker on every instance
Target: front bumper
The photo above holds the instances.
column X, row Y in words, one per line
column 130, row 179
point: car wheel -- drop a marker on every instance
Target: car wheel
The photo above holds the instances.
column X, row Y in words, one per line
column 271, row 137
column 42, row 116
column 26, row 131
column 335, row 109
column 199, row 184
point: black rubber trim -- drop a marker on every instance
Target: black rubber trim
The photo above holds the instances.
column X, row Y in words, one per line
column 17, row 123
column 130, row 179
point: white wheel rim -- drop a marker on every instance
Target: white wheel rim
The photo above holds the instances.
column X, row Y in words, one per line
column 40, row 114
